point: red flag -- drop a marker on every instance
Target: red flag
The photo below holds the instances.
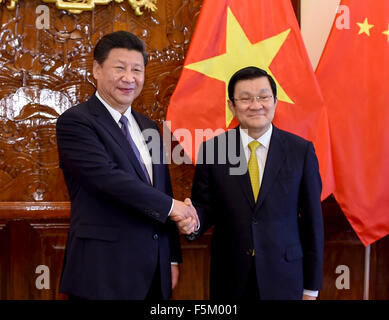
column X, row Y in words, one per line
column 353, row 74
column 233, row 34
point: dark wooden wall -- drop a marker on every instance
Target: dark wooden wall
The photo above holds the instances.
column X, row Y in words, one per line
column 44, row 72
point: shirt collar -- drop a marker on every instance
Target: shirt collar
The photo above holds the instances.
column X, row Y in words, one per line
column 116, row 115
column 264, row 140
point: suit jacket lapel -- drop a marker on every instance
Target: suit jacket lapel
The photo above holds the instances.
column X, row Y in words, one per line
column 243, row 179
column 106, row 120
column 144, row 125
column 275, row 158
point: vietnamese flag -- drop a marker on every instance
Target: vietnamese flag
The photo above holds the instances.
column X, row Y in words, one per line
column 354, row 74
column 233, row 34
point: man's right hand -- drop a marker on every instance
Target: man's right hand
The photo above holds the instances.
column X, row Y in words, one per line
column 185, row 216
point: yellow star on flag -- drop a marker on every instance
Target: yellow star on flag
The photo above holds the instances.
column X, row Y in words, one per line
column 241, row 53
column 364, row 27
column 387, row 32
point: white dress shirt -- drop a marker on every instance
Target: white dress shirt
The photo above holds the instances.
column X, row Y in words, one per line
column 138, row 139
column 136, row 135
column 262, row 152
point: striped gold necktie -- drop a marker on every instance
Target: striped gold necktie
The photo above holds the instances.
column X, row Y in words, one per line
column 253, row 168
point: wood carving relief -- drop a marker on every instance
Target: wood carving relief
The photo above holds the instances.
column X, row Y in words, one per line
column 78, row 6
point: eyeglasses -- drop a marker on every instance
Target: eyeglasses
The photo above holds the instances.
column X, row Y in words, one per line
column 249, row 100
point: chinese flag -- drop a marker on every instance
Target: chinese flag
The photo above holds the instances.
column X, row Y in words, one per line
column 353, row 74
column 233, row 34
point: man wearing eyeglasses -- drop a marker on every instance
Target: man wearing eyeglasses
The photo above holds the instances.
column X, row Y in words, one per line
column 268, row 230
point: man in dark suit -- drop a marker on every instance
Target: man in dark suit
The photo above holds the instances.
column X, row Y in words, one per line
column 122, row 240
column 260, row 188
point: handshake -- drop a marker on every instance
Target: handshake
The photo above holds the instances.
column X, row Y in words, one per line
column 185, row 216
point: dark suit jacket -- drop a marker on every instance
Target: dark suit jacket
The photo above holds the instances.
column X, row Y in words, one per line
column 284, row 227
column 119, row 228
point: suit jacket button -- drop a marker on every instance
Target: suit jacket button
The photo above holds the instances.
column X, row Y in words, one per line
column 156, row 214
column 155, row 236
column 248, row 252
column 255, row 221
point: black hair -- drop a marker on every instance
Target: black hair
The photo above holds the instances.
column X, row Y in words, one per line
column 249, row 73
column 118, row 39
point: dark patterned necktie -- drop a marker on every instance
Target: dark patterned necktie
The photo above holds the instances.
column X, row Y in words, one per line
column 124, row 121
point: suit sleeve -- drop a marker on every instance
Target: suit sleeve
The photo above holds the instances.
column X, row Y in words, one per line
column 174, row 236
column 174, row 241
column 202, row 194
column 311, row 221
column 85, row 157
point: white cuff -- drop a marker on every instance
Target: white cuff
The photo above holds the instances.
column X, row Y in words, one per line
column 311, row 293
column 171, row 208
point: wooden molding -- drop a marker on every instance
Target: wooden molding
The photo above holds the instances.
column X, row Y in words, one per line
column 34, row 210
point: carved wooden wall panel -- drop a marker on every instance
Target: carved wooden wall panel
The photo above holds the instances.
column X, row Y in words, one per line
column 379, row 277
column 49, row 251
column 342, row 248
column 194, row 270
column 4, row 260
column 31, row 234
